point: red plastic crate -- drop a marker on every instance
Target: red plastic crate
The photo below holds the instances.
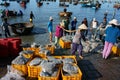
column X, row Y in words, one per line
column 14, row 44
column 14, row 52
column 3, row 52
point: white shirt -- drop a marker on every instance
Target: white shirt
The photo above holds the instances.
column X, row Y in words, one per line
column 94, row 24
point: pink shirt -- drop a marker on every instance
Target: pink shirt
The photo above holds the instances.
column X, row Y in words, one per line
column 59, row 31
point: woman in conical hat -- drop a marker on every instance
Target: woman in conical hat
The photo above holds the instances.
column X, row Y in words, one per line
column 76, row 43
column 112, row 33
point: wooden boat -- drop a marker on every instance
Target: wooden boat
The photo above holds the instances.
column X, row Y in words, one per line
column 117, row 5
column 63, row 4
column 65, row 13
column 39, row 4
column 5, row 4
column 75, row 3
column 21, row 28
column 11, row 13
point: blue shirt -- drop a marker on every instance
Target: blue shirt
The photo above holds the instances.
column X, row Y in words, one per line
column 73, row 24
column 50, row 26
column 111, row 34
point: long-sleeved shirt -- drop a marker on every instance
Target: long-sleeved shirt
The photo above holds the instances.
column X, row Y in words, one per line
column 73, row 24
column 59, row 31
column 78, row 36
column 111, row 34
column 50, row 26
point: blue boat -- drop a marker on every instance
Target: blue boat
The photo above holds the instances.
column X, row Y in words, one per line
column 92, row 4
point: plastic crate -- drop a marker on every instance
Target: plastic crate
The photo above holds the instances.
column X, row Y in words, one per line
column 72, row 77
column 22, row 68
column 116, row 50
column 64, row 44
column 51, row 48
column 28, row 55
column 40, row 54
column 33, row 71
column 73, row 57
column 30, row 48
column 4, row 50
column 51, row 77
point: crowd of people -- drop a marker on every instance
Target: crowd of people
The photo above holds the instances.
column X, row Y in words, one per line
column 106, row 32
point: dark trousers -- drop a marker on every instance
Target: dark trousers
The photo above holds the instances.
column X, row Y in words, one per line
column 76, row 47
column 73, row 28
column 7, row 33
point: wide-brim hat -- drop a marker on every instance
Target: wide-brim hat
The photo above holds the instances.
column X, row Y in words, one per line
column 51, row 18
column 114, row 21
column 75, row 18
column 82, row 26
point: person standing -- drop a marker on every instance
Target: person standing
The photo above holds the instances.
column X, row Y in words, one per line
column 50, row 28
column 76, row 43
column 58, row 33
column 102, row 28
column 73, row 24
column 31, row 16
column 66, row 25
column 112, row 33
column 5, row 28
column 86, row 23
column 94, row 25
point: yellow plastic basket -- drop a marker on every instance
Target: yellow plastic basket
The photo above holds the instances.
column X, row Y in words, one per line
column 40, row 54
column 22, row 68
column 51, row 78
column 33, row 71
column 51, row 48
column 27, row 55
column 64, row 44
column 116, row 50
column 73, row 57
column 31, row 48
column 72, row 77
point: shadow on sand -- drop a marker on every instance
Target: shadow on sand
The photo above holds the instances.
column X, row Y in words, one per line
column 37, row 30
column 88, row 70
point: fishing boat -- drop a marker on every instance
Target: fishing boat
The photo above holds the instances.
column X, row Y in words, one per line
column 5, row 4
column 22, row 28
column 117, row 5
column 63, row 4
column 91, row 3
column 39, row 4
column 11, row 13
column 65, row 13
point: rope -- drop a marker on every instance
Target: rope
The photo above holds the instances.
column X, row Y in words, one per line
column 68, row 30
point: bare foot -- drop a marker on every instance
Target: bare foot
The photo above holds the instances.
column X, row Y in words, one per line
column 81, row 57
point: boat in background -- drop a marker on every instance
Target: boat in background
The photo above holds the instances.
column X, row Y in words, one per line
column 117, row 5
column 91, row 3
column 5, row 4
column 22, row 28
column 62, row 14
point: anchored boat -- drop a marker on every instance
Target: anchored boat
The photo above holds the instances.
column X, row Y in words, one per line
column 22, row 28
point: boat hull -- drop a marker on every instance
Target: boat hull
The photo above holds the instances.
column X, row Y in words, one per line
column 65, row 13
column 22, row 28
